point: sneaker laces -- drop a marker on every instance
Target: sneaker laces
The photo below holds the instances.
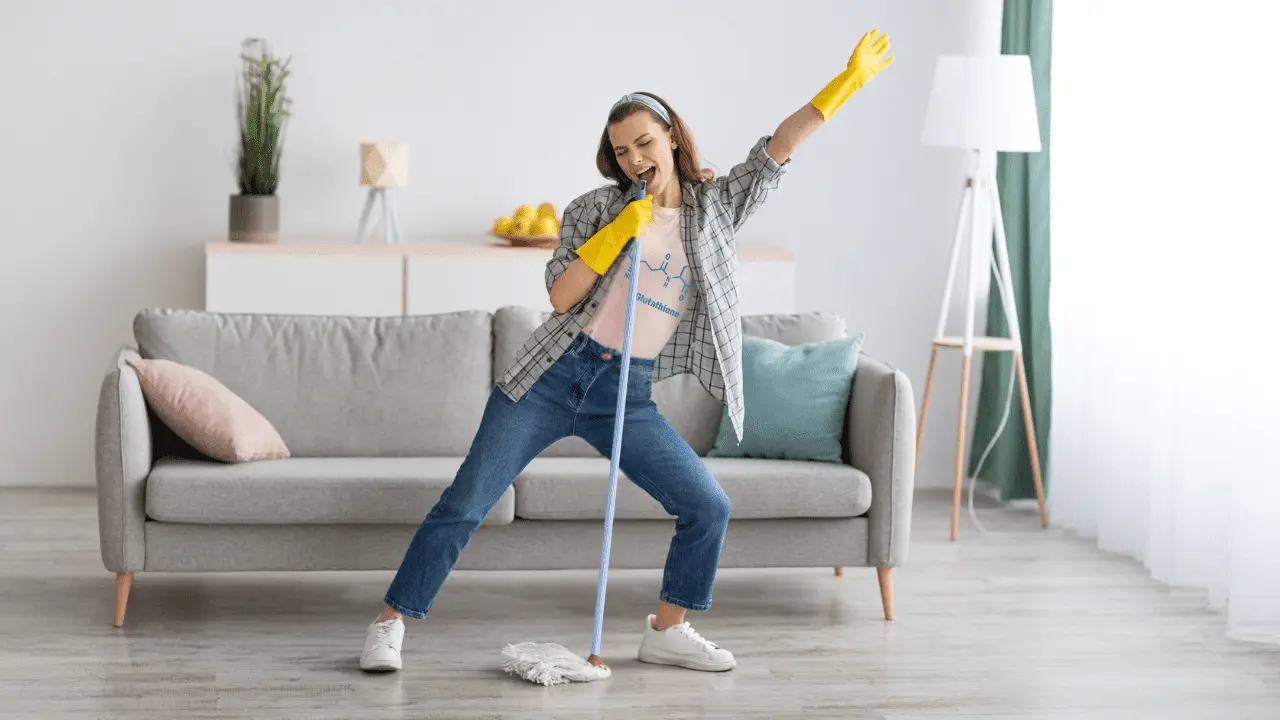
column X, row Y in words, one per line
column 687, row 630
column 382, row 635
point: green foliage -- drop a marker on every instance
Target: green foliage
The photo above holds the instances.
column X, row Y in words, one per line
column 263, row 108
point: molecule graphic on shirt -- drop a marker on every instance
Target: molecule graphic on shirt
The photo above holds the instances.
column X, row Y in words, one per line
column 685, row 284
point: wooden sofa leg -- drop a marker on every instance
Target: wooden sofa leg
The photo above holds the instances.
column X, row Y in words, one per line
column 123, row 582
column 886, row 590
column 839, row 571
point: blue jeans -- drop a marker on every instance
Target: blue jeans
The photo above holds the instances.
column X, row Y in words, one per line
column 576, row 396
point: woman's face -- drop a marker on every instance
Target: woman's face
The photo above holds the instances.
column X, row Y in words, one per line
column 644, row 150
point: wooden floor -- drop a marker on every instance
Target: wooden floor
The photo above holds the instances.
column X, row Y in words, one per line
column 1023, row 623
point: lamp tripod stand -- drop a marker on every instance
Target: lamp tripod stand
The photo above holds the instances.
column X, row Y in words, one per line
column 980, row 186
column 390, row 222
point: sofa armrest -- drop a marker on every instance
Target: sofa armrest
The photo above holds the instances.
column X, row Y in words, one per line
column 122, row 460
column 880, row 441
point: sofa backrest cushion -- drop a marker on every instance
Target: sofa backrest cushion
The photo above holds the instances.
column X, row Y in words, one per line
column 341, row 386
column 796, row 328
column 690, row 409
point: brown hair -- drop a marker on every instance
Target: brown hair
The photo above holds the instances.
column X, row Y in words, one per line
column 686, row 151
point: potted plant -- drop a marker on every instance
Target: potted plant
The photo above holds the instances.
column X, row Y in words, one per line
column 262, row 107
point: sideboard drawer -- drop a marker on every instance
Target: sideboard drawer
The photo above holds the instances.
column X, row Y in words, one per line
column 302, row 284
column 449, row 283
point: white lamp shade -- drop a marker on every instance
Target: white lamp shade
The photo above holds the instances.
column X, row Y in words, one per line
column 982, row 102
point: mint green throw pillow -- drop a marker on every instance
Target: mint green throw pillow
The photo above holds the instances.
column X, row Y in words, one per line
column 796, row 399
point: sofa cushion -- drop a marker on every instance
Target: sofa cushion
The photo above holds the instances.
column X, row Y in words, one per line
column 695, row 414
column 575, row 489
column 797, row 397
column 205, row 414
column 305, row 490
column 341, row 386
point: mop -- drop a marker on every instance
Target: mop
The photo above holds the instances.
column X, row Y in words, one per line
column 552, row 663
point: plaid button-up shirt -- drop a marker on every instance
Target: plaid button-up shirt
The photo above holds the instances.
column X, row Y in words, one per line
column 708, row 341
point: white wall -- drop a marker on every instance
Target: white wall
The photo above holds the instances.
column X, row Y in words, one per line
column 119, row 131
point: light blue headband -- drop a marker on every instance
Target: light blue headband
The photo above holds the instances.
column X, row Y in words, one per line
column 647, row 101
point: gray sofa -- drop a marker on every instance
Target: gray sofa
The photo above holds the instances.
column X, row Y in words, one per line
column 378, row 413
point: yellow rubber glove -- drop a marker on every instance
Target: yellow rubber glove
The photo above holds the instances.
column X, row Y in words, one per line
column 603, row 248
column 867, row 60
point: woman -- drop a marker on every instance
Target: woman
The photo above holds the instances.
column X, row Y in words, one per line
column 565, row 378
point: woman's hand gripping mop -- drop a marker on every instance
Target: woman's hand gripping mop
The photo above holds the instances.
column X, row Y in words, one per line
column 552, row 663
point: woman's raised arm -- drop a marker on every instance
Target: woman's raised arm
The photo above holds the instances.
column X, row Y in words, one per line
column 869, row 57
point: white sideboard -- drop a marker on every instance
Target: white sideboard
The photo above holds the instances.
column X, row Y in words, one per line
column 425, row 278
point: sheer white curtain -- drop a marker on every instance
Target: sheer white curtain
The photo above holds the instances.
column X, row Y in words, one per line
column 1165, row 440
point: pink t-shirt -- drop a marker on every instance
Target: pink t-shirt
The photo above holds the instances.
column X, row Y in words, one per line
column 662, row 291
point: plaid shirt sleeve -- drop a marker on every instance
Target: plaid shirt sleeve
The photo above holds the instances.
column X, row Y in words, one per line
column 744, row 187
column 582, row 219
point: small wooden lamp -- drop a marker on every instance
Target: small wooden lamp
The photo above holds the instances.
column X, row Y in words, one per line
column 384, row 166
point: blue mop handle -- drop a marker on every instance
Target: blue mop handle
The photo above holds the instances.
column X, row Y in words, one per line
column 617, row 437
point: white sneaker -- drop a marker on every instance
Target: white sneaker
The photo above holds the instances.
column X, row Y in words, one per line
column 682, row 645
column 382, row 646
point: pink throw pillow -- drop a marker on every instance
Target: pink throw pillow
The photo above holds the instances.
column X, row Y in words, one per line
column 203, row 412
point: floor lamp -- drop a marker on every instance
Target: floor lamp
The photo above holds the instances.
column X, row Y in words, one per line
column 984, row 105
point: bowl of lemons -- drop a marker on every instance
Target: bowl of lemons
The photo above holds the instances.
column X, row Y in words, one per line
column 529, row 226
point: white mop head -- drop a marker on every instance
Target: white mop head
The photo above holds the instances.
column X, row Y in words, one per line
column 549, row 664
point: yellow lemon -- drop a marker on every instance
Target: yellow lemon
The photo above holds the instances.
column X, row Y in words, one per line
column 522, row 225
column 547, row 210
column 546, row 226
column 526, row 211
column 502, row 225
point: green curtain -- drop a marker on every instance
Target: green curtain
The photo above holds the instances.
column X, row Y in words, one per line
column 1024, row 198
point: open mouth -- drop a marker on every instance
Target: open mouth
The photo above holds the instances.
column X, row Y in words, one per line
column 648, row 174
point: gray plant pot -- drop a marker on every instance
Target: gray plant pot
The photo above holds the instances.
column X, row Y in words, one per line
column 255, row 218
